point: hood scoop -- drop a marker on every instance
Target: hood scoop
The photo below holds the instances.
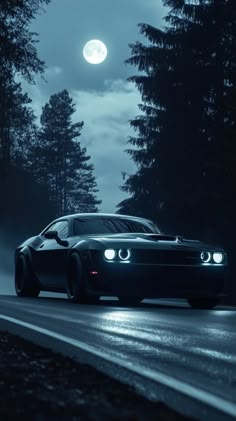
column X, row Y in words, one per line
column 162, row 237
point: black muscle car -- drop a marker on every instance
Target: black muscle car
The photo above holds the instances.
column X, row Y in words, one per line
column 92, row 254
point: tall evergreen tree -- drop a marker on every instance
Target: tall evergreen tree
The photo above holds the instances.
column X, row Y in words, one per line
column 18, row 56
column 62, row 164
column 19, row 124
column 17, row 43
column 17, row 132
column 20, row 194
column 179, row 148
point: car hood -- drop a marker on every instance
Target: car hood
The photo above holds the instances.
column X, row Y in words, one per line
column 148, row 241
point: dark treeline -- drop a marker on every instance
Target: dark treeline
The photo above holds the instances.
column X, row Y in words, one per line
column 44, row 171
column 184, row 144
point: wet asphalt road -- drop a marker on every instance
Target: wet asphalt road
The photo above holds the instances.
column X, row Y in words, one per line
column 195, row 346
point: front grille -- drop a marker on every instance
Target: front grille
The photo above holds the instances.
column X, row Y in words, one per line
column 169, row 257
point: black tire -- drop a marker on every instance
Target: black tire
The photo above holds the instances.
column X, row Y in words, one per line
column 76, row 282
column 130, row 301
column 204, row 303
column 25, row 280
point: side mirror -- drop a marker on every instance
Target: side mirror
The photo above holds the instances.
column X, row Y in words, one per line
column 53, row 235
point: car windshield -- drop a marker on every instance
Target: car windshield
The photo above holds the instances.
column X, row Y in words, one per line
column 84, row 226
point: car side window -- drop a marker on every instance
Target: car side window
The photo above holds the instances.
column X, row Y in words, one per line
column 51, row 228
column 61, row 227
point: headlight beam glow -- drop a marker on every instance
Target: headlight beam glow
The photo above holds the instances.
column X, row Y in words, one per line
column 205, row 256
column 218, row 257
column 109, row 254
column 124, row 254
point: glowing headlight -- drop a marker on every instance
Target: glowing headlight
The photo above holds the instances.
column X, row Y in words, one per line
column 205, row 256
column 109, row 254
column 124, row 254
column 218, row 257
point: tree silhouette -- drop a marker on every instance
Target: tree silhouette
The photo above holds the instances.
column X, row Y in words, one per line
column 59, row 162
column 180, row 147
column 19, row 57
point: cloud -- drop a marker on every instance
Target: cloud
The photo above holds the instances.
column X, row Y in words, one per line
column 53, row 71
column 104, row 100
column 66, row 26
column 106, row 116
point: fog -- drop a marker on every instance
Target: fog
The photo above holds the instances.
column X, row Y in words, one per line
column 6, row 269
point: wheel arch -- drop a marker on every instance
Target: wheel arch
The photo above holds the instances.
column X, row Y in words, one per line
column 80, row 292
column 26, row 282
column 25, row 252
column 72, row 251
column 83, row 250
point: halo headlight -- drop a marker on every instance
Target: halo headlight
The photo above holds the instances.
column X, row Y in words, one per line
column 124, row 254
column 205, row 256
column 109, row 254
column 218, row 257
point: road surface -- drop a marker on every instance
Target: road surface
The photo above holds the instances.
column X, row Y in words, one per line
column 164, row 342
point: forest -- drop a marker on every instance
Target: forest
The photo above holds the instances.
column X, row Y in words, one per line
column 45, row 172
column 183, row 141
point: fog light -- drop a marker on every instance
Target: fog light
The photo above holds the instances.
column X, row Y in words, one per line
column 218, row 257
column 124, row 254
column 205, row 256
column 109, row 254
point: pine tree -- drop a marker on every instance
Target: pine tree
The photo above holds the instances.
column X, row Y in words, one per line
column 17, row 131
column 17, row 43
column 213, row 43
column 60, row 162
column 179, row 148
column 18, row 56
column 160, row 147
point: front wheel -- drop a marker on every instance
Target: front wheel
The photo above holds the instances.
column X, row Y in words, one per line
column 203, row 303
column 76, row 282
column 25, row 282
column 130, row 301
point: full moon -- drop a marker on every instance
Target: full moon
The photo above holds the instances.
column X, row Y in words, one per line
column 95, row 51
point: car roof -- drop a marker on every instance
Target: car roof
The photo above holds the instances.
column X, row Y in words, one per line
column 99, row 214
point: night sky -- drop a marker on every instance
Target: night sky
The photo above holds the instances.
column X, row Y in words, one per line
column 105, row 100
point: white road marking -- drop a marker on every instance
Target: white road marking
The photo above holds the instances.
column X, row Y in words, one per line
column 193, row 392
column 216, row 354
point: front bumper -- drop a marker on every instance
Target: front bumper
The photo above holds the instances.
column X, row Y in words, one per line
column 153, row 281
